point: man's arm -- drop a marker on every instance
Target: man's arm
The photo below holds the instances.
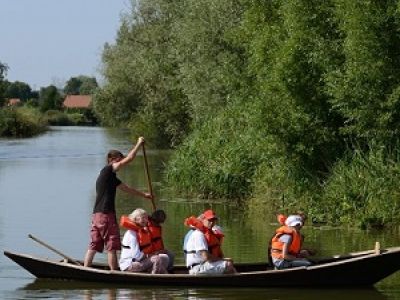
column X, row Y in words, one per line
column 129, row 157
column 133, row 191
column 287, row 241
column 285, row 251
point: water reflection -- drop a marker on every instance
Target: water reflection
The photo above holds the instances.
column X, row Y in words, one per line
column 91, row 291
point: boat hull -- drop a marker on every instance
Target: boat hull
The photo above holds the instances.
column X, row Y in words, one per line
column 356, row 271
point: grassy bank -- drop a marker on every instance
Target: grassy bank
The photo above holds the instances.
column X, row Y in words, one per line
column 231, row 157
column 21, row 122
column 29, row 121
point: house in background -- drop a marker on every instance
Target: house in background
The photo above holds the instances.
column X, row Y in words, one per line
column 77, row 102
column 14, row 102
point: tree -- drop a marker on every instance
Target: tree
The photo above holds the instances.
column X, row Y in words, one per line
column 18, row 89
column 366, row 87
column 81, row 85
column 142, row 89
column 88, row 85
column 50, row 98
column 72, row 86
column 3, row 72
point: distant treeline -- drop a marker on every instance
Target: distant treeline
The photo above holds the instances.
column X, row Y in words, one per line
column 288, row 104
column 25, row 112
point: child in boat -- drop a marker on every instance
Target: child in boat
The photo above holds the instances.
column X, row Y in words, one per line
column 157, row 218
column 137, row 253
column 286, row 251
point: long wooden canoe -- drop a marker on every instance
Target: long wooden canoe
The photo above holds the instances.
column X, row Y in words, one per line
column 351, row 270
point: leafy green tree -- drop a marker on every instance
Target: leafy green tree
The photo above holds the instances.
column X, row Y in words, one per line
column 269, row 94
column 72, row 86
column 88, row 85
column 211, row 62
column 50, row 98
column 174, row 62
column 141, row 87
column 292, row 46
column 366, row 86
column 18, row 89
column 81, row 85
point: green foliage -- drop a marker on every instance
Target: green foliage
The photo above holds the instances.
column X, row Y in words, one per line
column 18, row 89
column 50, row 99
column 59, row 118
column 20, row 122
column 3, row 72
column 81, row 85
column 166, row 69
column 210, row 61
column 365, row 86
column 221, row 165
column 270, row 99
column 302, row 49
column 56, row 117
column 363, row 188
column 140, row 91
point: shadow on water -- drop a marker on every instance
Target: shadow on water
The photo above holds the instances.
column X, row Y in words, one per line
column 91, row 291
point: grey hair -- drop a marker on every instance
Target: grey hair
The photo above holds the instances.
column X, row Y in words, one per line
column 138, row 212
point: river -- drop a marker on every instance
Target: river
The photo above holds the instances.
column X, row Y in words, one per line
column 47, row 189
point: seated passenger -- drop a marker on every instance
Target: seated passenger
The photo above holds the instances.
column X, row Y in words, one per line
column 282, row 218
column 202, row 247
column 286, row 251
column 157, row 218
column 137, row 253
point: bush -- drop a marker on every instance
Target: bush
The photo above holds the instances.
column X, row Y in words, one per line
column 363, row 188
column 76, row 119
column 56, row 117
column 20, row 122
column 221, row 158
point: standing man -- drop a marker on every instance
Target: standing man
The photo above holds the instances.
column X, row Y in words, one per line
column 199, row 252
column 104, row 228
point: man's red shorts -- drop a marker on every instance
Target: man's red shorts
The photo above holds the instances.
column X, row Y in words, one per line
column 104, row 231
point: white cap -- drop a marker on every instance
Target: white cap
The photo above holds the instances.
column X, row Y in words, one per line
column 293, row 221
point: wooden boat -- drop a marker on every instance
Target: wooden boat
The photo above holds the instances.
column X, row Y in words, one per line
column 351, row 270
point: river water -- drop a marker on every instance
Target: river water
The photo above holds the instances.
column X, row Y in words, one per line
column 47, row 190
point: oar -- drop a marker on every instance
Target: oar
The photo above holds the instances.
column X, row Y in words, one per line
column 146, row 166
column 54, row 250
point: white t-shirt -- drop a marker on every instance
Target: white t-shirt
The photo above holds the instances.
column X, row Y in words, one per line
column 286, row 239
column 196, row 242
column 130, row 250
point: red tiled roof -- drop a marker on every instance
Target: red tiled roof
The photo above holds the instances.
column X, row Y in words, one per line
column 77, row 101
column 13, row 101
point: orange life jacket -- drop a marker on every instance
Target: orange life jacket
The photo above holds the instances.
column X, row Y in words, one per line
column 214, row 240
column 143, row 234
column 214, row 243
column 156, row 236
column 277, row 246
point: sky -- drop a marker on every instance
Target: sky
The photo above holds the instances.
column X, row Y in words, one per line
column 47, row 42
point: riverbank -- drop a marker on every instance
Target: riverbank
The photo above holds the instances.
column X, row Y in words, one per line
column 21, row 122
column 25, row 121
